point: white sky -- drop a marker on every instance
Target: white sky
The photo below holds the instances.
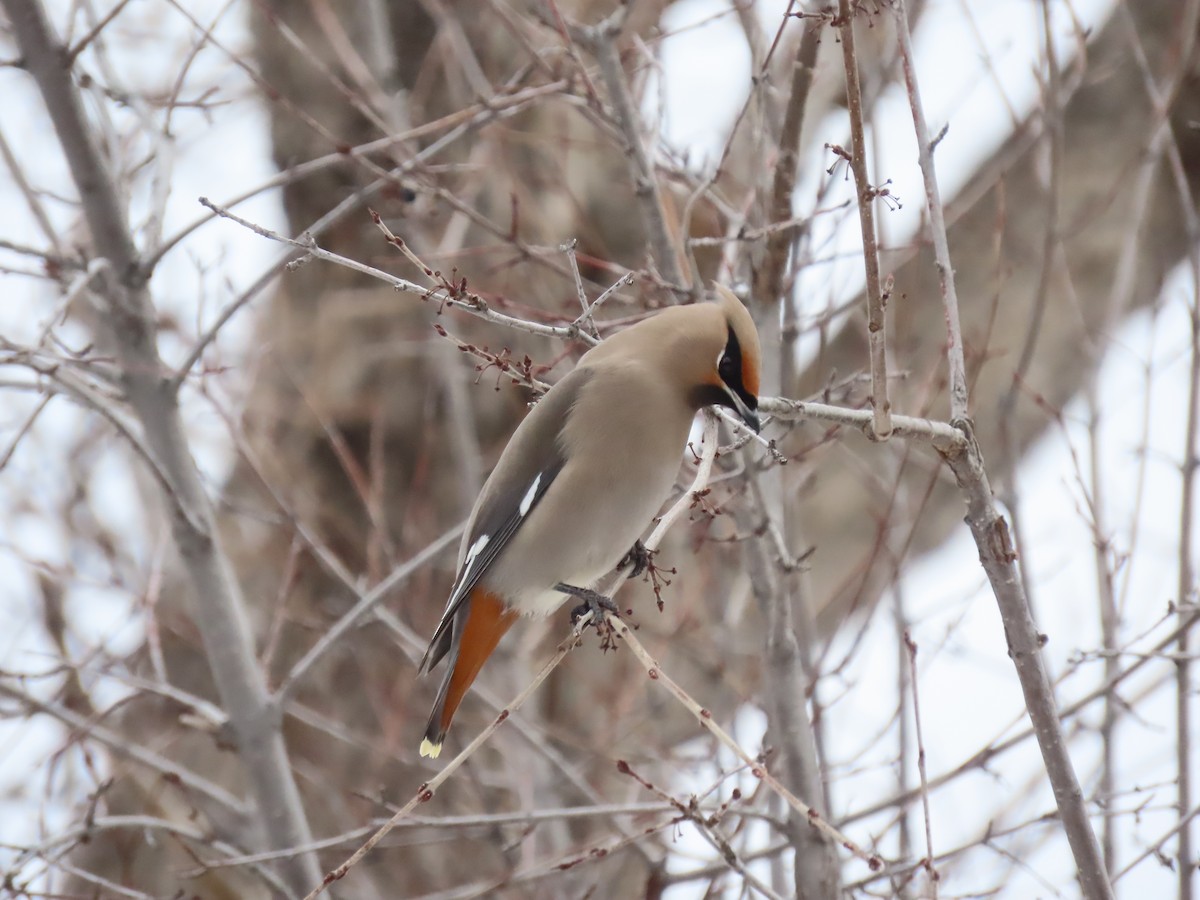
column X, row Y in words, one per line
column 968, row 688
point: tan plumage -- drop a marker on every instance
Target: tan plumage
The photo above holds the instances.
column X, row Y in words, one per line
column 584, row 474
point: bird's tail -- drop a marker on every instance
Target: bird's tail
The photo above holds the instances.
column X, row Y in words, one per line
column 478, row 627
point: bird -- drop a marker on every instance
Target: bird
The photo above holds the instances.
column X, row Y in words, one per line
column 581, row 478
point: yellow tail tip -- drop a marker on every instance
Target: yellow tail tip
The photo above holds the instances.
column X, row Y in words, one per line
column 430, row 749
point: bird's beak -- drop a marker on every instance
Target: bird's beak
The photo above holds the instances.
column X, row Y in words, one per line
column 749, row 416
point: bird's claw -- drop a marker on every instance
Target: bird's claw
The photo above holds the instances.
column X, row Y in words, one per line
column 596, row 604
column 597, row 608
column 638, row 556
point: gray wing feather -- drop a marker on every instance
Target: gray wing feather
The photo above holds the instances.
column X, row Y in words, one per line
column 476, row 566
column 534, row 453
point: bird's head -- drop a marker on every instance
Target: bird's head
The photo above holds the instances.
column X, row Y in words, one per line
column 733, row 378
column 708, row 352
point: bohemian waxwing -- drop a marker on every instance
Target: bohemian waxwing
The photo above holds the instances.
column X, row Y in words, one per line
column 582, row 477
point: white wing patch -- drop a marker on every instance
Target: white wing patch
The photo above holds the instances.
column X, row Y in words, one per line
column 527, row 500
column 476, row 549
column 502, row 524
column 469, row 563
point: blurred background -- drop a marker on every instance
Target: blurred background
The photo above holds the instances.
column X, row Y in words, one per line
column 339, row 434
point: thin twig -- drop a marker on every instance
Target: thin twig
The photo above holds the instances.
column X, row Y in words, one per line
column 447, row 296
column 601, row 39
column 876, row 322
column 130, row 326
column 937, row 221
column 996, row 748
column 705, row 719
column 911, row 646
column 121, row 746
column 992, row 537
column 1050, row 263
column 365, row 604
column 1185, row 691
column 769, row 281
column 426, row 791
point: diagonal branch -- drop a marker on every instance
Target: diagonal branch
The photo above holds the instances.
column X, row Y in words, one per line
column 991, row 533
column 130, row 329
column 602, row 41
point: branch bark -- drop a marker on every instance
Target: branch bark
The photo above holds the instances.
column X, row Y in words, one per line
column 129, row 328
column 602, row 41
column 876, row 321
column 991, row 534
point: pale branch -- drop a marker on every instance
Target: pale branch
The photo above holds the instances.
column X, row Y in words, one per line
column 443, row 296
column 121, row 746
column 913, row 679
column 624, row 281
column 89, row 829
column 426, row 791
column 876, row 313
column 585, row 317
column 1156, row 847
column 769, row 280
column 991, row 535
column 705, row 822
column 787, row 665
column 62, row 379
column 601, row 40
column 937, row 220
column 944, row 437
column 996, row 748
column 1050, row 263
column 1185, row 688
column 109, row 888
column 1164, row 98
column 131, row 330
column 705, row 873
column 705, row 719
column 522, row 818
column 987, row 838
column 541, row 869
column 354, row 615
column 304, row 170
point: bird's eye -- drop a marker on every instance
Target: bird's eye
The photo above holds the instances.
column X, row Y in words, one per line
column 725, row 368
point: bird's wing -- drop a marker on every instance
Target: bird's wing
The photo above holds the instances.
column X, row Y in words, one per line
column 530, row 463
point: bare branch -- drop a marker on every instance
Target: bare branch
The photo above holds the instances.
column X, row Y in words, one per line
column 876, row 321
column 131, row 330
column 354, row 615
column 426, row 791
column 769, row 280
column 911, row 646
column 996, row 554
column 992, row 538
column 705, row 719
column 447, row 295
column 602, row 41
column 121, row 746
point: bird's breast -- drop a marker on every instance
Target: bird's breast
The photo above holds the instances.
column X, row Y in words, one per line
column 587, row 521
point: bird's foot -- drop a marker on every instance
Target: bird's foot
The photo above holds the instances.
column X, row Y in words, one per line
column 599, row 607
column 638, row 556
